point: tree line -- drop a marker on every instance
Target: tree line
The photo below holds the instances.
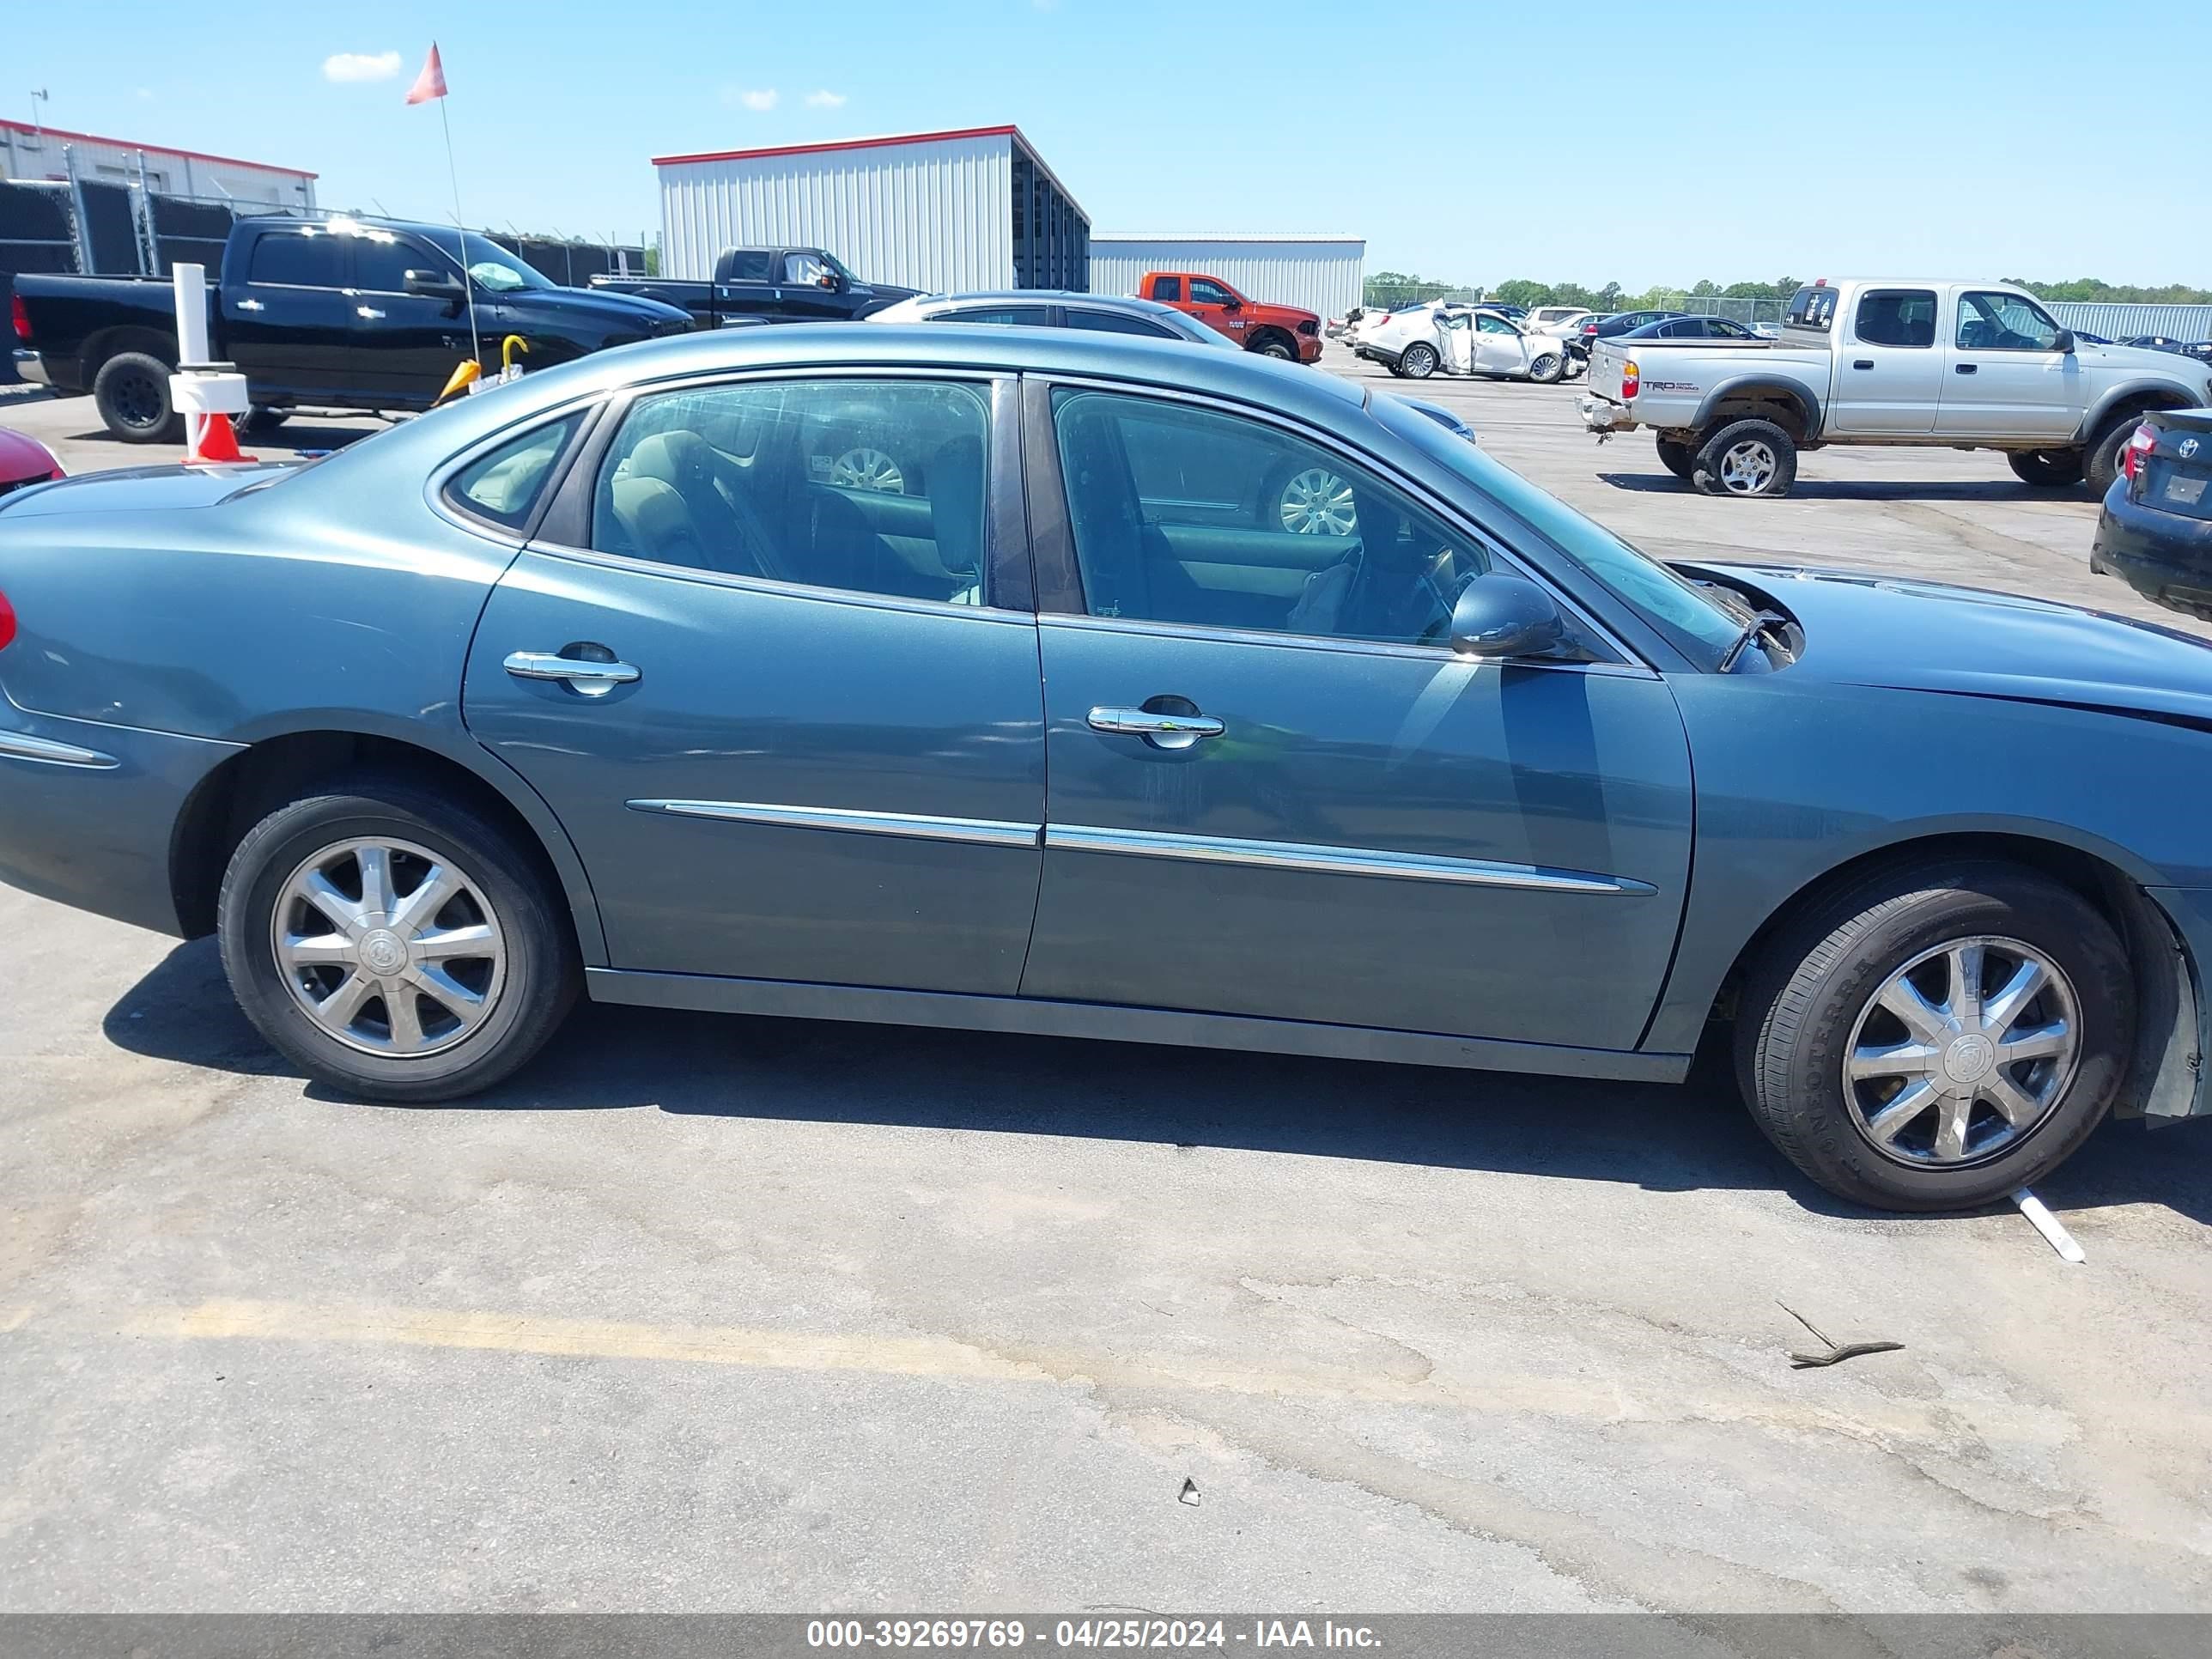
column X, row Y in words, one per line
column 1521, row 291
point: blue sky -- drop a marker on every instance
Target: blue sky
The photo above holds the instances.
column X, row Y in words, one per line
column 1641, row 143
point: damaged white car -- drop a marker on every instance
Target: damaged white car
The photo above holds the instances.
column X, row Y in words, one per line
column 1461, row 339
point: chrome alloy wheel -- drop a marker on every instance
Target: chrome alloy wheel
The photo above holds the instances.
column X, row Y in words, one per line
column 387, row 947
column 1748, row 467
column 1318, row 502
column 1961, row 1052
column 868, row 468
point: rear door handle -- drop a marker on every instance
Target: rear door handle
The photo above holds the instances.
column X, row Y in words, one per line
column 1964, row 369
column 1863, row 362
column 1162, row 731
column 366, row 311
column 592, row 679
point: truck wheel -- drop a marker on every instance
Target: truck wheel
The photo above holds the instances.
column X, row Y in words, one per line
column 1749, row 458
column 1936, row 1038
column 1547, row 369
column 2101, row 460
column 131, row 392
column 1678, row 458
column 2048, row 469
column 1274, row 346
column 1418, row 362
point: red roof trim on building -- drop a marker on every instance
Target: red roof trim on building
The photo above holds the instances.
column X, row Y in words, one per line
column 25, row 127
column 844, row 144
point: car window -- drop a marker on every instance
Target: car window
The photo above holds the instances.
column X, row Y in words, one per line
column 1190, row 515
column 1492, row 325
column 1118, row 322
column 504, row 485
column 1167, row 288
column 873, row 487
column 2004, row 322
column 302, row 258
column 750, row 265
column 1897, row 317
column 1030, row 316
column 1811, row 308
column 1211, row 294
column 381, row 262
column 1720, row 328
column 804, row 269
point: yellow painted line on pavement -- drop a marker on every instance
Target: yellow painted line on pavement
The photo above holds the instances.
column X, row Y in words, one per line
column 1599, row 1397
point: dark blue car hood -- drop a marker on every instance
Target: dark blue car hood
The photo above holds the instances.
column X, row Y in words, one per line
column 599, row 305
column 1868, row 629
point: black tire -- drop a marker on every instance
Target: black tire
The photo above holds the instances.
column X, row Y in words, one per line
column 541, row 975
column 1418, row 360
column 1711, row 473
column 1805, row 994
column 1548, row 368
column 1273, row 345
column 1678, row 458
column 261, row 418
column 2100, row 462
column 131, row 392
column 2047, row 469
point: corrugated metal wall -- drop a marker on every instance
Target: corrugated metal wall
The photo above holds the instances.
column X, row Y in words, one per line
column 1323, row 275
column 24, row 156
column 936, row 215
column 2116, row 321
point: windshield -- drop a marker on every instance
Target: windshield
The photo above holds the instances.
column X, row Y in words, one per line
column 495, row 268
column 1696, row 621
column 838, row 265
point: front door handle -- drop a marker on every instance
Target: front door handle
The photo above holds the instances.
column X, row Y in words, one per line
column 1161, row 731
column 249, row 305
column 592, row 679
column 370, row 312
column 1964, row 369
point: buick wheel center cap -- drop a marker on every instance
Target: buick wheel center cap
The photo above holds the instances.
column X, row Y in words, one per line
column 382, row 952
column 1969, row 1057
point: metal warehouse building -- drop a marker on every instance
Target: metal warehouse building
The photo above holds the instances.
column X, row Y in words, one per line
column 1323, row 274
column 49, row 154
column 939, row 211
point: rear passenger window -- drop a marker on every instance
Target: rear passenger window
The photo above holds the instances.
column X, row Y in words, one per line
column 1030, row 316
column 750, row 265
column 1167, row 288
column 1118, row 322
column 504, row 485
column 304, row 259
column 873, row 487
column 1897, row 317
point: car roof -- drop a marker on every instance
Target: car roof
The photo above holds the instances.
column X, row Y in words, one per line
column 1244, row 376
column 1062, row 296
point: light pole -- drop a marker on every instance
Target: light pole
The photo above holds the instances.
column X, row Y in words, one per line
column 38, row 97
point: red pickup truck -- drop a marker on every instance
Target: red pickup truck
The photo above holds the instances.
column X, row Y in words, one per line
column 1282, row 331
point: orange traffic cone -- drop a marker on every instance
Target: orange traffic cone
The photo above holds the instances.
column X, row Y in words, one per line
column 214, row 442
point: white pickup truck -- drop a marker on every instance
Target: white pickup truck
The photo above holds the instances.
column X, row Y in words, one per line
column 1955, row 365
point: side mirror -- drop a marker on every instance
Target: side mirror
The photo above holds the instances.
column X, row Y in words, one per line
column 1232, row 303
column 1501, row 615
column 2065, row 343
column 433, row 285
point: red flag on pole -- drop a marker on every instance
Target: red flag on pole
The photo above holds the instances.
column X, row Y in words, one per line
column 431, row 82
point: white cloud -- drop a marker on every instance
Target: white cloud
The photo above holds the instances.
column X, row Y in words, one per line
column 361, row 66
column 145, row 95
column 825, row 100
column 761, row 99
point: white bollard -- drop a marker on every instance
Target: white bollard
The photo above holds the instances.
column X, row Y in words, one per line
column 190, row 282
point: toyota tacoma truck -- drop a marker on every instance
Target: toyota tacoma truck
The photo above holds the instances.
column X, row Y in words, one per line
column 1282, row 331
column 1950, row 365
column 766, row 285
column 336, row 314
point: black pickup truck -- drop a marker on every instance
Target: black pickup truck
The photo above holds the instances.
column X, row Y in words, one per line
column 334, row 313
column 766, row 284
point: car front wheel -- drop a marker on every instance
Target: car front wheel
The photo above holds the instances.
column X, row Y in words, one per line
column 1935, row 1039
column 393, row 942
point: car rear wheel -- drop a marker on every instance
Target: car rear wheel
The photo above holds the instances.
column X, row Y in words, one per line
column 1749, row 458
column 1418, row 362
column 393, row 942
column 1547, row 369
column 1678, row 458
column 1936, row 1039
column 131, row 392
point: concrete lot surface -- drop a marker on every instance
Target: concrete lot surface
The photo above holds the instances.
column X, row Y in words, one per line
column 719, row 1314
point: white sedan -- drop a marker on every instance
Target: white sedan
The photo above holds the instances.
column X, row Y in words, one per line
column 1461, row 339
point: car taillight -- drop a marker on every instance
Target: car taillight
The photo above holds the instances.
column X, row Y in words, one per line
column 20, row 317
column 7, row 623
column 1632, row 379
column 2139, row 447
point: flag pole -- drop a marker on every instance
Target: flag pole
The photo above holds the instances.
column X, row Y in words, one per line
column 461, row 232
